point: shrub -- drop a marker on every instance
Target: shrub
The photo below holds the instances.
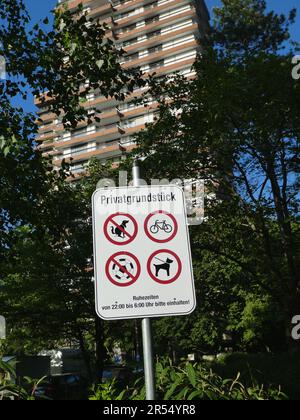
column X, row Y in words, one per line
column 190, row 382
column 9, row 390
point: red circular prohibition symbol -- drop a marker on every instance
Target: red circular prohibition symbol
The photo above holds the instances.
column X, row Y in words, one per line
column 130, row 237
column 161, row 241
column 162, row 251
column 112, row 259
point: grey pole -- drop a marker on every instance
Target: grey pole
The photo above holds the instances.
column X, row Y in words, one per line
column 2, row 328
column 146, row 324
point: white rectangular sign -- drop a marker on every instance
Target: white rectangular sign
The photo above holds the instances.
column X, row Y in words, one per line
column 142, row 256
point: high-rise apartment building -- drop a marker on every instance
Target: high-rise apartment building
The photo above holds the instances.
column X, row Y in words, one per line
column 160, row 36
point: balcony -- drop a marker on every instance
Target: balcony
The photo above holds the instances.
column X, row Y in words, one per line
column 150, row 11
column 106, row 8
column 107, row 133
column 162, row 54
column 46, row 136
column 137, row 110
column 129, row 131
column 123, row 36
column 46, row 146
column 72, row 4
column 103, row 151
column 50, row 153
column 46, row 117
column 100, row 102
column 53, row 127
column 172, row 67
column 123, row 7
column 148, row 43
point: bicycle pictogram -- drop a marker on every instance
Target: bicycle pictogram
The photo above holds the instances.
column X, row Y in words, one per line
column 161, row 225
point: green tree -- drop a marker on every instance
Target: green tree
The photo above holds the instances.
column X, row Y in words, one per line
column 46, row 288
column 236, row 124
column 59, row 64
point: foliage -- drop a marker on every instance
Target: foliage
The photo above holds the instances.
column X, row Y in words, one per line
column 10, row 390
column 268, row 368
column 106, row 391
column 60, row 65
column 245, row 28
column 46, row 290
column 232, row 126
column 191, row 382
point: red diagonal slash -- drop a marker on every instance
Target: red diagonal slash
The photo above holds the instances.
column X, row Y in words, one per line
column 121, row 229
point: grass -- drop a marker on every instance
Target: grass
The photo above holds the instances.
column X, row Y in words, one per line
column 268, row 369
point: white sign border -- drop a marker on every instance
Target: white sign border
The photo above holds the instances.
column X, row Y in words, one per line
column 95, row 254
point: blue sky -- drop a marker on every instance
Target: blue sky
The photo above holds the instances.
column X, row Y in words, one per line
column 39, row 9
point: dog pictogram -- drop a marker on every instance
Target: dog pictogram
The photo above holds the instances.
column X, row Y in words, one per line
column 169, row 269
column 120, row 229
column 166, row 265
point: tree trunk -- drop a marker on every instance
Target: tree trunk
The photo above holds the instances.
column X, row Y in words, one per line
column 85, row 355
column 100, row 350
column 284, row 225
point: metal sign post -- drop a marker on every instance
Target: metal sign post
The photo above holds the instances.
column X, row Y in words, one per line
column 149, row 369
column 2, row 328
